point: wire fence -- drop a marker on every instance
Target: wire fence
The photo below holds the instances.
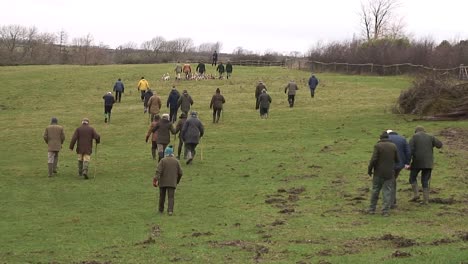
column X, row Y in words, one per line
column 376, row 69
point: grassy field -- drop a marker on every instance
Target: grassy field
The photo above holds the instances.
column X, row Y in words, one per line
column 290, row 189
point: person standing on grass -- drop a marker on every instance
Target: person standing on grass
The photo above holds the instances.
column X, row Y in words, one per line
column 148, row 94
column 381, row 166
column 192, row 132
column 313, row 82
column 154, row 105
column 404, row 154
column 422, row 159
column 54, row 137
column 172, row 100
column 178, row 129
column 214, row 58
column 168, row 175
column 84, row 135
column 216, row 104
column 153, row 132
column 187, row 69
column 258, row 91
column 119, row 90
column 185, row 102
column 264, row 101
column 108, row 103
column 143, row 86
column 201, row 69
column 220, row 69
column 178, row 70
column 164, row 128
column 228, row 69
column 291, row 89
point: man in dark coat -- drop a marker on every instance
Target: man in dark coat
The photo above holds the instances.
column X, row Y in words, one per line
column 84, row 135
column 264, row 101
column 172, row 100
column 422, row 159
column 192, row 132
column 164, row 128
column 382, row 164
column 54, row 137
column 216, row 104
column 313, row 82
column 153, row 133
column 258, row 91
column 108, row 103
column 405, row 157
column 146, row 96
column 291, row 89
column 220, row 70
column 201, row 69
column 185, row 102
column 119, row 90
column 168, row 175
column 178, row 129
column 228, row 69
column 214, row 58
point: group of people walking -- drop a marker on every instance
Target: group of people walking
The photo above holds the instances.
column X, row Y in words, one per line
column 391, row 155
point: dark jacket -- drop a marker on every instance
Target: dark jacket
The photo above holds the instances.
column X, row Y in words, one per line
column 172, row 99
column 148, row 94
column 201, row 67
column 192, row 131
column 217, row 101
column 220, row 68
column 84, row 135
column 169, row 172
column 164, row 128
column 404, row 152
column 421, row 145
column 54, row 137
column 179, row 126
column 108, row 99
column 119, row 86
column 264, row 100
column 383, row 159
column 258, row 89
column 184, row 102
column 291, row 88
column 228, row 67
column 313, row 82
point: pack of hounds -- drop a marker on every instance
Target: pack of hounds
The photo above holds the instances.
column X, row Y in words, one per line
column 191, row 76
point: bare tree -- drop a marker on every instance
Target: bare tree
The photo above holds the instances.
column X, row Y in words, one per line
column 11, row 37
column 83, row 46
column 378, row 19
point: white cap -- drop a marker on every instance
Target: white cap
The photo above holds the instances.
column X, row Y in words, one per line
column 389, row 131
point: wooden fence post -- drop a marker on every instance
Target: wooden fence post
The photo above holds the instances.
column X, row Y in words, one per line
column 372, row 67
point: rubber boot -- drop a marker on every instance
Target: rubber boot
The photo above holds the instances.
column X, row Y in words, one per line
column 153, row 153
column 415, row 198
column 50, row 167
column 161, row 155
column 105, row 117
column 85, row 169
column 217, row 118
column 109, row 117
column 54, row 168
column 425, row 196
column 189, row 157
column 80, row 168
column 214, row 119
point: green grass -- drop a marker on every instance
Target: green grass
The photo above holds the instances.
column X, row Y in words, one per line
column 221, row 215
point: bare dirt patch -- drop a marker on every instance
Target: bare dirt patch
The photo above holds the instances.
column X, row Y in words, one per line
column 258, row 249
column 154, row 233
column 398, row 241
column 400, row 254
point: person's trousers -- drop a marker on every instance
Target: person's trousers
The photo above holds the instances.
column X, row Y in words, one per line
column 425, row 177
column 291, row 100
column 216, row 114
column 142, row 96
column 170, row 197
column 173, row 115
column 191, row 150
column 179, row 148
column 379, row 183
column 394, row 187
column 118, row 96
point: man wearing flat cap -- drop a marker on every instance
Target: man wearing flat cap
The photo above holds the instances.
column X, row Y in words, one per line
column 83, row 137
column 54, row 137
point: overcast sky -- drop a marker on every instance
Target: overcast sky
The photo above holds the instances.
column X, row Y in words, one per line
column 255, row 25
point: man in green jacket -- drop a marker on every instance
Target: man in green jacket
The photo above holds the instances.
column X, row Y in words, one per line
column 422, row 159
column 54, row 137
column 382, row 164
column 168, row 175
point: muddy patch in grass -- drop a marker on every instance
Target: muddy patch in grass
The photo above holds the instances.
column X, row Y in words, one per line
column 154, row 233
column 400, row 254
column 442, row 241
column 443, row 200
column 199, row 234
column 257, row 249
column 92, row 262
column 398, row 241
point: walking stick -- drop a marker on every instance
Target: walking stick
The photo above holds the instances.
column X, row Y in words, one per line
column 95, row 166
column 201, row 150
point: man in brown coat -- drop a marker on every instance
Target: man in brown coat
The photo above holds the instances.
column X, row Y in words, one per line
column 54, row 137
column 153, row 132
column 168, row 175
column 154, row 105
column 84, row 135
column 164, row 128
column 216, row 104
column 258, row 91
column 291, row 89
column 382, row 164
column 178, row 129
